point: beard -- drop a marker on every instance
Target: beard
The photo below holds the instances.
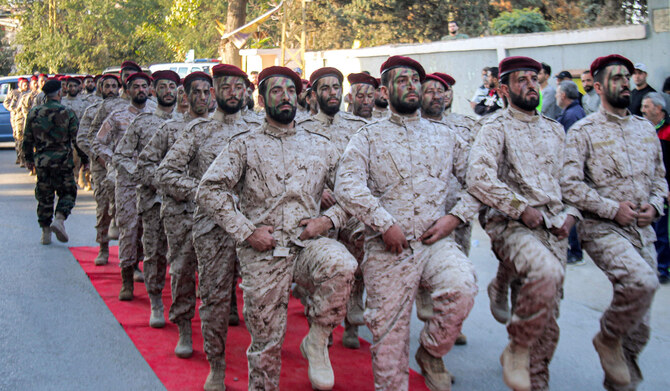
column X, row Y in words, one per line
column 250, row 104
column 616, row 100
column 90, row 89
column 229, row 109
column 587, row 88
column 140, row 99
column 163, row 103
column 283, row 117
column 405, row 107
column 326, row 108
column 381, row 102
column 524, row 104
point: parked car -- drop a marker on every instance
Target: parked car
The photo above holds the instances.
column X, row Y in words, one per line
column 7, row 84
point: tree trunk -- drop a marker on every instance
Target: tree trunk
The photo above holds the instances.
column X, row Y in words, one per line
column 235, row 18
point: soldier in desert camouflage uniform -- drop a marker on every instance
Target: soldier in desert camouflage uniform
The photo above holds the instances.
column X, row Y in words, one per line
column 363, row 87
column 18, row 116
column 514, row 168
column 179, row 175
column 51, row 130
column 381, row 110
column 76, row 103
column 278, row 173
column 178, row 215
column 394, row 177
column 614, row 173
column 136, row 137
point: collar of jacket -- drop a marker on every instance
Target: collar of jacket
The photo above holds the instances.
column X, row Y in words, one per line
column 163, row 114
column 611, row 117
column 227, row 119
column 326, row 119
column 521, row 116
column 403, row 120
column 276, row 131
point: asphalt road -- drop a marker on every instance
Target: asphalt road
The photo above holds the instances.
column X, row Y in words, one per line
column 56, row 333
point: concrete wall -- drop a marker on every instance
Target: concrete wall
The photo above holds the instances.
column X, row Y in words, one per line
column 562, row 50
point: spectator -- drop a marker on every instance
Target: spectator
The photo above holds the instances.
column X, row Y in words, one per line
column 563, row 76
column 547, row 104
column 483, row 91
column 641, row 88
column 567, row 98
column 654, row 109
column 493, row 101
column 590, row 101
column 666, row 92
column 453, row 32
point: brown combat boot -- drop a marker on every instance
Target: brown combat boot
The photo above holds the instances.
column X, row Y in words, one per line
column 184, row 348
column 46, row 235
column 126, row 293
column 515, row 361
column 612, row 359
column 217, row 374
column 58, row 227
column 314, row 348
column 435, row 375
column 157, row 318
column 103, row 255
column 350, row 336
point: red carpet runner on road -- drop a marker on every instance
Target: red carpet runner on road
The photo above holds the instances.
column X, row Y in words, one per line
column 353, row 368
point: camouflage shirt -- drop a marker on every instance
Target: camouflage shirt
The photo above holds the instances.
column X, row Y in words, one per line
column 77, row 104
column 51, row 129
column 338, row 128
column 84, row 133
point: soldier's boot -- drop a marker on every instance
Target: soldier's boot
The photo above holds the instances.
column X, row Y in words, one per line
column 138, row 276
column 461, row 339
column 515, row 361
column 184, row 348
column 612, row 359
column 46, row 235
column 350, row 336
column 234, row 317
column 126, row 293
column 58, row 227
column 157, row 319
column 498, row 299
column 435, row 375
column 314, row 348
column 217, row 374
column 103, row 255
column 113, row 230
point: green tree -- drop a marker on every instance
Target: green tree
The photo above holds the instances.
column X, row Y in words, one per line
column 519, row 21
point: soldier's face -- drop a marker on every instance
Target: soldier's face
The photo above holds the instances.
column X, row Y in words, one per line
column 23, row 85
column 230, row 91
column 615, row 88
column 110, row 88
column 41, row 81
column 523, row 90
column 72, row 89
column 364, row 99
column 329, row 94
column 280, row 99
column 380, row 99
column 89, row 84
column 448, row 98
column 199, row 97
column 166, row 92
column 33, row 84
column 433, row 100
column 404, row 90
column 127, row 72
column 138, row 90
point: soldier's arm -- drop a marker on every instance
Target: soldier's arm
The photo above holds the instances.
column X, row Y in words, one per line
column 351, row 189
column 101, row 145
column 337, row 215
column 172, row 173
column 28, row 138
column 482, row 174
column 151, row 156
column 73, row 128
column 216, row 192
column 125, row 150
column 82, row 133
column 467, row 206
column 8, row 101
column 576, row 191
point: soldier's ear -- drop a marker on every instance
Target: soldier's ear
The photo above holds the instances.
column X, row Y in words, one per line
column 261, row 100
column 384, row 91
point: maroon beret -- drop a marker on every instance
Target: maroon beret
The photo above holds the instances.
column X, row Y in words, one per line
column 62, row 78
column 110, row 76
column 73, row 79
column 282, row 72
column 197, row 76
column 228, row 70
column 325, row 71
column 433, row 76
column 401, row 61
column 130, row 65
column 33, row 77
column 138, row 75
column 309, row 84
column 450, row 80
column 22, row 79
column 613, row 59
column 43, row 75
column 252, row 86
column 57, row 75
column 88, row 77
column 379, row 81
column 96, row 78
column 169, row 75
column 517, row 63
column 362, row 78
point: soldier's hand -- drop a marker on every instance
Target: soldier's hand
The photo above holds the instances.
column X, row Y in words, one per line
column 441, row 228
column 327, row 199
column 564, row 231
column 394, row 239
column 531, row 217
column 262, row 240
column 646, row 215
column 315, row 227
column 626, row 214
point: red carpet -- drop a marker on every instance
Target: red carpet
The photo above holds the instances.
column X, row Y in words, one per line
column 353, row 368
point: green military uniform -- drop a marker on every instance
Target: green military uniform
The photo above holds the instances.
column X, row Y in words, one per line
column 51, row 129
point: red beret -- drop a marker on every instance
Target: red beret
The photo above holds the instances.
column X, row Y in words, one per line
column 96, row 78
column 613, row 59
column 450, row 80
column 325, row 71
column 281, row 71
column 22, row 79
column 130, row 65
column 379, row 81
column 57, row 75
column 433, row 76
column 61, row 78
column 362, row 78
column 138, row 75
column 517, row 63
column 309, row 83
column 88, row 77
column 110, row 76
column 169, row 75
column 400, row 61
column 43, row 75
column 73, row 79
column 197, row 76
column 228, row 70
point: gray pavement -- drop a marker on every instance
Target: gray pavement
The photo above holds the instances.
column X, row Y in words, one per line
column 56, row 333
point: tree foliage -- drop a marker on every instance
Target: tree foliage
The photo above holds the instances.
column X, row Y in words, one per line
column 526, row 20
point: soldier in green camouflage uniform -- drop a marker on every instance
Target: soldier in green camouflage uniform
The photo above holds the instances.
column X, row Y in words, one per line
column 51, row 129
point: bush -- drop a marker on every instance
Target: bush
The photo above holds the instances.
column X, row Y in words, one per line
column 527, row 20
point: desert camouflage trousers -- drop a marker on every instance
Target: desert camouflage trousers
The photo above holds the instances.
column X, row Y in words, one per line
column 183, row 265
column 323, row 268
column 103, row 192
column 154, row 244
column 632, row 271
column 392, row 282
column 130, row 225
